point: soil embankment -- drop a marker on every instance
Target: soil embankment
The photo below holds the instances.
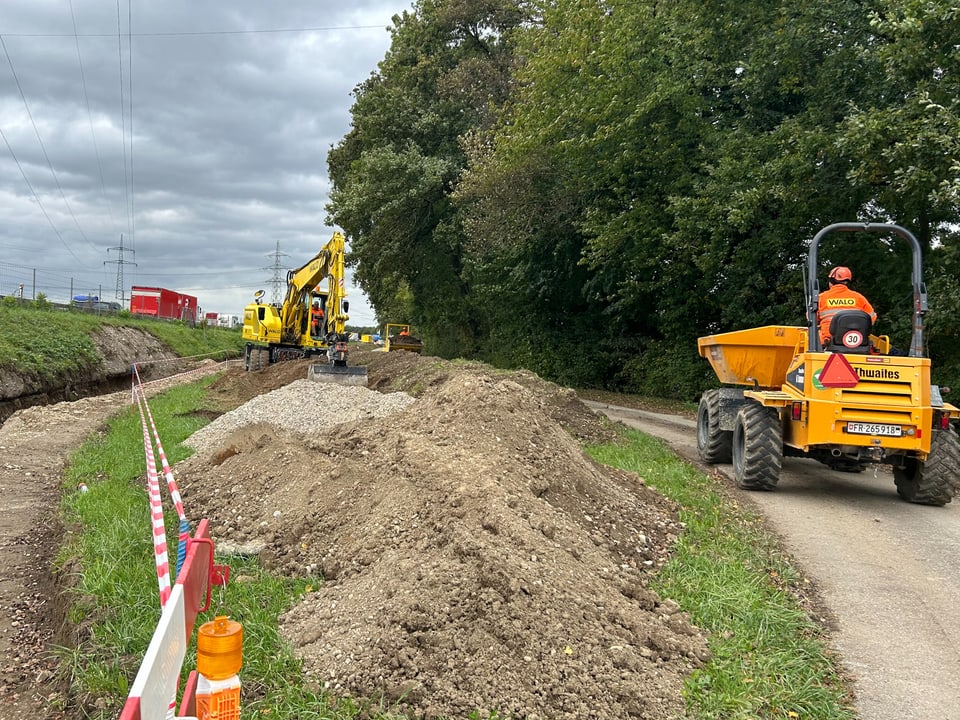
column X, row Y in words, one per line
column 465, row 535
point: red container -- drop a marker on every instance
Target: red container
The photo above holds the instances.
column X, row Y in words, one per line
column 163, row 304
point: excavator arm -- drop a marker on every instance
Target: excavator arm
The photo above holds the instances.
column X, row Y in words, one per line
column 335, row 310
column 295, row 312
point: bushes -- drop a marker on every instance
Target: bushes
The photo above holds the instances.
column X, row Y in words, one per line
column 667, row 371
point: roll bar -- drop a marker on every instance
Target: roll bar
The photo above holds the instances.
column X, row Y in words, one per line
column 919, row 289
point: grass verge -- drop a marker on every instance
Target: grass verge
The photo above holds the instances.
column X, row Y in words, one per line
column 769, row 659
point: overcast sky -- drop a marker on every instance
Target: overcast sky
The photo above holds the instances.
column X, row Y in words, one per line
column 202, row 159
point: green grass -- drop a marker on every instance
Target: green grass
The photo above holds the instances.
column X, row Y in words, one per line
column 109, row 558
column 49, row 343
column 769, row 660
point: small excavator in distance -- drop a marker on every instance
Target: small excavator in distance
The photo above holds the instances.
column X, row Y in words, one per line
column 286, row 331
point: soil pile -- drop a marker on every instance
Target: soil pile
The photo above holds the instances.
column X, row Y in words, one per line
column 473, row 556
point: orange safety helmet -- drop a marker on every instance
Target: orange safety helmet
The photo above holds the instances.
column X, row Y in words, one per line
column 841, row 274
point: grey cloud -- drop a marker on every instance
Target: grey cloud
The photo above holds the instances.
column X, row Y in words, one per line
column 230, row 131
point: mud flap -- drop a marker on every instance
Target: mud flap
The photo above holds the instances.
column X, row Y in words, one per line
column 339, row 374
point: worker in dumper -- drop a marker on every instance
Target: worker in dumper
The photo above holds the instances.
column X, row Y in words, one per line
column 316, row 318
column 839, row 297
column 404, row 331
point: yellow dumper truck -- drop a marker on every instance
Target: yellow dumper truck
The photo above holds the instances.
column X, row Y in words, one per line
column 845, row 405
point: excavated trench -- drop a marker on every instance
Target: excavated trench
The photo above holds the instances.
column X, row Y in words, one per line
column 120, row 349
column 71, row 391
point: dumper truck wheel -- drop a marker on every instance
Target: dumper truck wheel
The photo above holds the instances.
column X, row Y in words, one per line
column 713, row 444
column 935, row 481
column 757, row 447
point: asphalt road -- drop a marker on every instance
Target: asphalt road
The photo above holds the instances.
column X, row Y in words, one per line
column 888, row 570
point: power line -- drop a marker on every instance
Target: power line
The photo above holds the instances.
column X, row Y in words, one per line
column 36, row 196
column 123, row 120
column 133, row 213
column 43, row 147
column 93, row 135
column 189, row 33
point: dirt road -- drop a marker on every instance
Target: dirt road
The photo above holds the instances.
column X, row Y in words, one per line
column 889, row 570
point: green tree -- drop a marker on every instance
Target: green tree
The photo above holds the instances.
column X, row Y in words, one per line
column 447, row 70
column 683, row 159
column 583, row 187
column 903, row 139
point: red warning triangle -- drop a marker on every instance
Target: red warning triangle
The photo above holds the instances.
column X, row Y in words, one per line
column 838, row 372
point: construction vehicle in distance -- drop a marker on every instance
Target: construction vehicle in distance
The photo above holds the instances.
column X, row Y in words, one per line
column 396, row 336
column 283, row 332
column 847, row 405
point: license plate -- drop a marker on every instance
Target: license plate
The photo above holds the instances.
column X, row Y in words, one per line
column 858, row 428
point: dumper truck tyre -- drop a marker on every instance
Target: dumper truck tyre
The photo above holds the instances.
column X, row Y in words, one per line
column 935, row 481
column 713, row 444
column 757, row 447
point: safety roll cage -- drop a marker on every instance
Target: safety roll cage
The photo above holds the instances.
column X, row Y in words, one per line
column 919, row 289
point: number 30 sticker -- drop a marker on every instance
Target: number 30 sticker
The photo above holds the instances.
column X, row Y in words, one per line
column 852, row 339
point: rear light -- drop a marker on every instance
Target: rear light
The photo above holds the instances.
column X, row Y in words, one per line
column 796, row 411
column 944, row 422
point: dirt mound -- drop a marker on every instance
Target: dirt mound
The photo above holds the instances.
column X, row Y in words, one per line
column 473, row 556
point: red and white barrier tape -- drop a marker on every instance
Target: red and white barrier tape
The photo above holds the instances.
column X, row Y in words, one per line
column 156, row 510
column 153, row 694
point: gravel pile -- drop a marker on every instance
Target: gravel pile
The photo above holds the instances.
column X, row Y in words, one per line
column 303, row 406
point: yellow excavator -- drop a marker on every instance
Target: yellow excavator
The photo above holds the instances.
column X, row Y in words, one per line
column 296, row 328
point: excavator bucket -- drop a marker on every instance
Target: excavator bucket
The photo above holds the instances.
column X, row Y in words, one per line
column 339, row 374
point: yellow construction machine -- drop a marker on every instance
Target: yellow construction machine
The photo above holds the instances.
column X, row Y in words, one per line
column 287, row 331
column 847, row 405
column 396, row 336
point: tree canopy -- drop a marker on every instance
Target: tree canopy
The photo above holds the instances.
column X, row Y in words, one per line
column 584, row 187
